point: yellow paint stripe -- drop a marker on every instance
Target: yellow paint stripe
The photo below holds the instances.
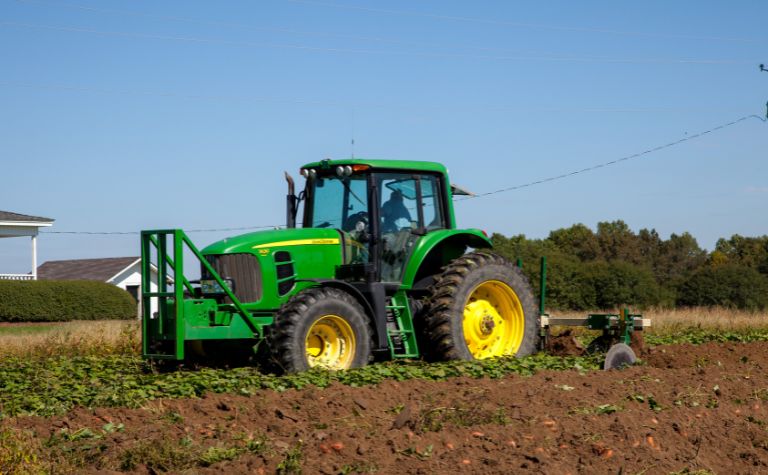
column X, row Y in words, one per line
column 299, row 242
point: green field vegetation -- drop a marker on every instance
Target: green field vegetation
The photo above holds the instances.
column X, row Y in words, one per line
column 615, row 266
column 113, row 375
column 51, row 369
column 49, row 386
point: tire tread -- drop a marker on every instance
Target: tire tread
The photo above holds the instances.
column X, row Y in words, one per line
column 440, row 319
column 282, row 334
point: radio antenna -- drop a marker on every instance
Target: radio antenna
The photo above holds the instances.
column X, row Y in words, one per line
column 352, row 141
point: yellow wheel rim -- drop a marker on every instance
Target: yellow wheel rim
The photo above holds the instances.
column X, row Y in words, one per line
column 494, row 322
column 330, row 343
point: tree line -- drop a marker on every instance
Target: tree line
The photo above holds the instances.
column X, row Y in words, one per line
column 615, row 266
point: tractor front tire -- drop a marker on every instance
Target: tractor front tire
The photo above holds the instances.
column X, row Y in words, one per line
column 320, row 328
column 481, row 306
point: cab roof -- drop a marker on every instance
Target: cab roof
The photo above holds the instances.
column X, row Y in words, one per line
column 414, row 165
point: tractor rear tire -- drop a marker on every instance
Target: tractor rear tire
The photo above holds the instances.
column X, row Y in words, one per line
column 320, row 327
column 481, row 306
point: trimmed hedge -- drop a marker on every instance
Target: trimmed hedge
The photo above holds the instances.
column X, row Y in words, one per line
column 61, row 301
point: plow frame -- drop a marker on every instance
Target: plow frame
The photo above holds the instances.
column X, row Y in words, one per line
column 616, row 327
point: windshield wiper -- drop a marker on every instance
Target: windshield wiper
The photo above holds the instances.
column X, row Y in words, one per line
column 345, row 183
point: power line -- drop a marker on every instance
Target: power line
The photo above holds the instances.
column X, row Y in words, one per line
column 190, row 39
column 418, row 54
column 619, row 160
column 347, row 105
column 135, row 233
column 479, row 195
column 240, row 26
column 169, row 94
column 487, row 21
column 380, row 10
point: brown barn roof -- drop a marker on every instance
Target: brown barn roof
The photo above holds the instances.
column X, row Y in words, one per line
column 9, row 216
column 84, row 269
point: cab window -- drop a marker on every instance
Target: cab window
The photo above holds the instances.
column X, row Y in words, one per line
column 410, row 207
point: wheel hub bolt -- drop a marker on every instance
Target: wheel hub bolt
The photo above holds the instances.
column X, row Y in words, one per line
column 487, row 325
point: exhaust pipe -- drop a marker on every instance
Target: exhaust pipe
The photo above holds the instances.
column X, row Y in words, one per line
column 292, row 202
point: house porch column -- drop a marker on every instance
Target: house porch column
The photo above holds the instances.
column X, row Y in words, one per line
column 34, row 256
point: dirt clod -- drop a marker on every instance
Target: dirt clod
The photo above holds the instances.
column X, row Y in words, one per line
column 565, row 344
column 402, row 418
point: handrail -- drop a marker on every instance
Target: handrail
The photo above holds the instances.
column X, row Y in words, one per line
column 17, row 277
column 173, row 266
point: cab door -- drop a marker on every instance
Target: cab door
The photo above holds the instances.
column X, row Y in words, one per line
column 410, row 208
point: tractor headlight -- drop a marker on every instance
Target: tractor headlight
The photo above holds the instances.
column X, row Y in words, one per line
column 348, row 170
column 340, row 171
column 305, row 173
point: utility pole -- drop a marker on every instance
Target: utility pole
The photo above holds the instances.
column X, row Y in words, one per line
column 762, row 68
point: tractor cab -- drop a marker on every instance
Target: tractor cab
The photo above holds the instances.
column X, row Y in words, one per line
column 381, row 212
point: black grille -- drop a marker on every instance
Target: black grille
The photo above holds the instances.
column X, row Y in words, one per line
column 285, row 287
column 286, row 274
column 244, row 269
column 284, row 271
column 282, row 256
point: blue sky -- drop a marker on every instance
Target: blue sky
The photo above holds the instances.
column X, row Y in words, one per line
column 126, row 115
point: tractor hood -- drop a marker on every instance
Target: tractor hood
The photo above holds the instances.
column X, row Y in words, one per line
column 263, row 242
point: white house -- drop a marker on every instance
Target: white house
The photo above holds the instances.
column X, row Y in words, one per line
column 124, row 272
column 22, row 225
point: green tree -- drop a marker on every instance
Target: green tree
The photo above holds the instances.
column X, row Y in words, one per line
column 678, row 257
column 615, row 266
column 748, row 251
column 618, row 242
column 649, row 243
column 578, row 240
column 727, row 285
column 608, row 285
column 563, row 291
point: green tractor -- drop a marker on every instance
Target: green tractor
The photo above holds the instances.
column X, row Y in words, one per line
column 377, row 271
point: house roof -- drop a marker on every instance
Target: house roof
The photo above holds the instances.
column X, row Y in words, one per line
column 85, row 269
column 22, row 218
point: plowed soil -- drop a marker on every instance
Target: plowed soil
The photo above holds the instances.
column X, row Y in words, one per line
column 688, row 408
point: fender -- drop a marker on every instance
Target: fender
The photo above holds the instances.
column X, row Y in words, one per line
column 437, row 248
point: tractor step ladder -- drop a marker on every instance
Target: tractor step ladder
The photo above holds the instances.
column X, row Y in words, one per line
column 400, row 331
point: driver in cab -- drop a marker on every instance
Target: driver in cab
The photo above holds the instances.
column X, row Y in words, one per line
column 393, row 210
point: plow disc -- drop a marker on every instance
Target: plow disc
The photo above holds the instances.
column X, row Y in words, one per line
column 620, row 355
